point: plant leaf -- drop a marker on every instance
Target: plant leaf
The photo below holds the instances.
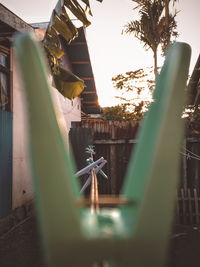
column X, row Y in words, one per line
column 68, row 84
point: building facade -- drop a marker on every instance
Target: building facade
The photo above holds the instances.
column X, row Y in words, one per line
column 15, row 175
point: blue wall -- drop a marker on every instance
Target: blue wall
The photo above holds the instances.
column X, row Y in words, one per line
column 6, row 119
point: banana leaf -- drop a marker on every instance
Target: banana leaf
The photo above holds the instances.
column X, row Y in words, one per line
column 68, row 84
column 60, row 23
column 62, row 28
column 78, row 11
column 87, row 3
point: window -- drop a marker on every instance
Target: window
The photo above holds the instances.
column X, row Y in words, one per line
column 4, row 82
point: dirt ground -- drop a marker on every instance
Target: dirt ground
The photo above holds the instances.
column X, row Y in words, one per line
column 185, row 247
column 20, row 247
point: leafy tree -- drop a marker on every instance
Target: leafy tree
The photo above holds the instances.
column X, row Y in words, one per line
column 167, row 18
column 122, row 112
column 153, row 28
column 135, row 105
column 135, row 88
column 134, row 81
column 192, row 116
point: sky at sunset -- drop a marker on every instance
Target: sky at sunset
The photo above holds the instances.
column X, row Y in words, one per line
column 111, row 52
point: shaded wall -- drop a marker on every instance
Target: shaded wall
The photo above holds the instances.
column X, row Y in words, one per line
column 66, row 110
column 22, row 185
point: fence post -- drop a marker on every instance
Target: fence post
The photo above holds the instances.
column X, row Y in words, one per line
column 190, row 206
column 113, row 162
column 184, row 166
column 196, row 206
column 184, row 206
column 178, row 210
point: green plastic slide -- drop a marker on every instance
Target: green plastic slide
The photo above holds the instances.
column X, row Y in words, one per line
column 135, row 235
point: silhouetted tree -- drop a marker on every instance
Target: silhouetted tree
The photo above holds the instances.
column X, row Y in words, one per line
column 153, row 28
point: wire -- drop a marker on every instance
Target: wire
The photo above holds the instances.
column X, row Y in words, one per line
column 192, row 153
column 188, row 156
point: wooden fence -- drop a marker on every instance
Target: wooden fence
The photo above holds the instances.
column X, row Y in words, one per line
column 115, row 141
column 190, row 169
column 188, row 206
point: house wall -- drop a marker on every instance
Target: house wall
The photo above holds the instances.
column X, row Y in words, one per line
column 22, row 186
column 67, row 111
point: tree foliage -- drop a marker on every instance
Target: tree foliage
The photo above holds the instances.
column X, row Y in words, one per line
column 192, row 117
column 134, row 81
column 122, row 112
column 135, row 92
column 154, row 28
